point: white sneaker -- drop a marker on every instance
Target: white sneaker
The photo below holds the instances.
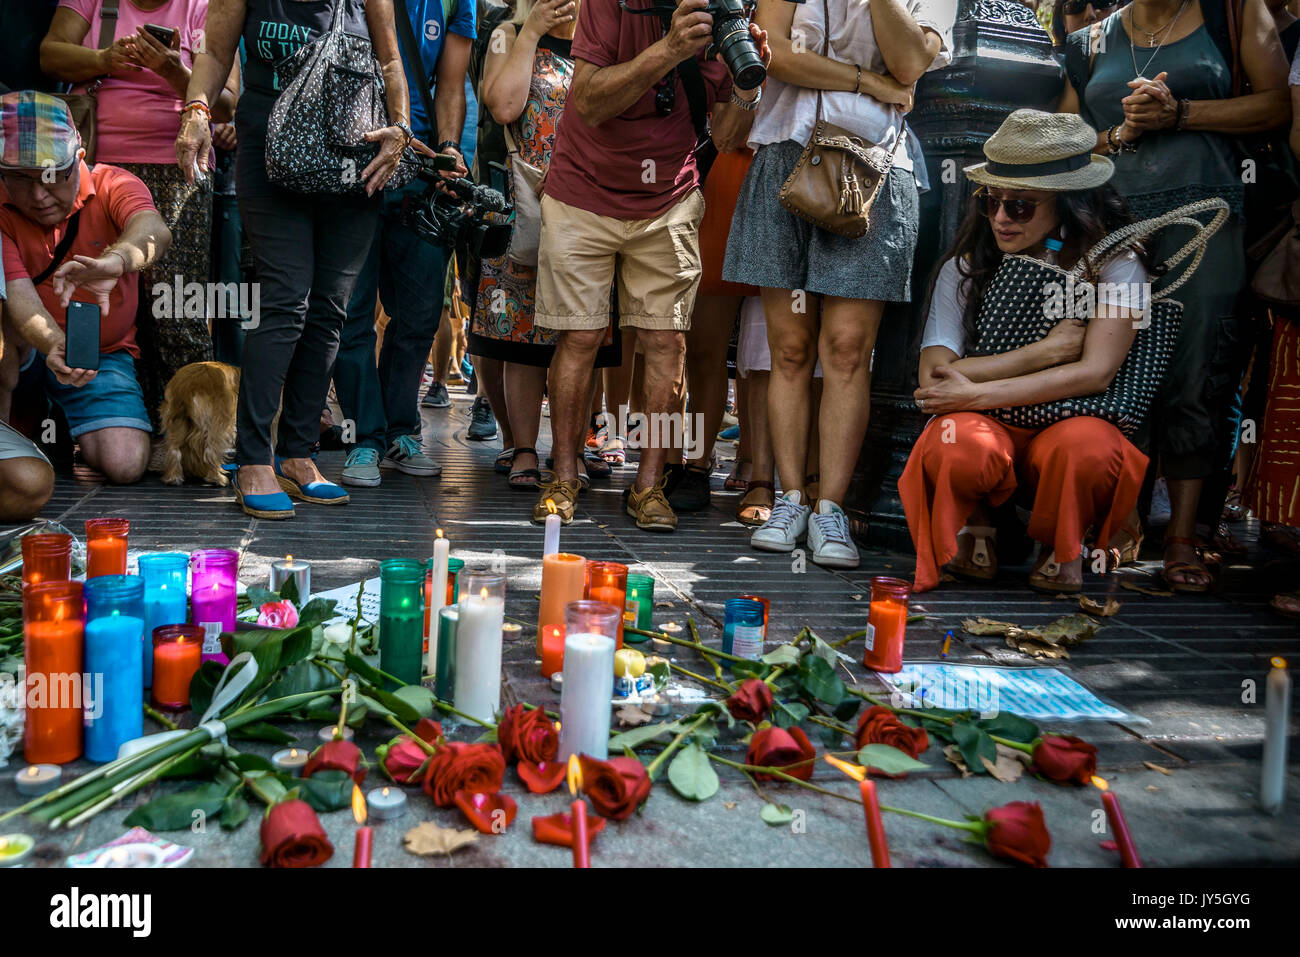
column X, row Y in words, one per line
column 828, row 537
column 786, row 525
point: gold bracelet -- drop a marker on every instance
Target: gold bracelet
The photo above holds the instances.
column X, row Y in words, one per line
column 857, row 87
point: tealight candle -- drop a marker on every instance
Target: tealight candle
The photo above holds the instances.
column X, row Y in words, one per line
column 386, row 803
column 298, row 570
column 14, row 848
column 655, row 704
column 35, row 779
column 331, row 731
column 291, row 760
column 133, row 855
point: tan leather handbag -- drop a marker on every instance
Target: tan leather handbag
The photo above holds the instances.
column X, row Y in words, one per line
column 82, row 106
column 839, row 175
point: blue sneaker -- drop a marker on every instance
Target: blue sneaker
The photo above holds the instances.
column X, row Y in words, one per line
column 318, row 493
column 436, row 397
column 361, row 468
column 730, row 434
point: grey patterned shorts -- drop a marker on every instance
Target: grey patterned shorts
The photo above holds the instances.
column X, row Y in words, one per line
column 770, row 246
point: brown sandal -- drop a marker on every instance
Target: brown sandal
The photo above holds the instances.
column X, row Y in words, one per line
column 750, row 513
column 1043, row 579
column 1182, row 568
column 983, row 565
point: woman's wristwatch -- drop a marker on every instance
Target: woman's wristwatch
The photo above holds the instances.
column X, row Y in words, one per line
column 446, row 143
column 406, row 131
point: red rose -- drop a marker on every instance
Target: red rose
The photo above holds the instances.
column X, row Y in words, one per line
column 617, row 787
column 476, row 768
column 1018, row 832
column 879, row 725
column 751, row 702
column 1065, row 758
column 789, row 750
column 528, row 735
column 337, row 755
column 402, row 759
column 292, row 836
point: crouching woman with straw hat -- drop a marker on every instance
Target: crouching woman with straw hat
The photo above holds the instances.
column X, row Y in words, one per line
column 1042, row 195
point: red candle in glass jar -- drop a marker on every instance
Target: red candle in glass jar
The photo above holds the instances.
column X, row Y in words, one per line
column 54, row 643
column 106, row 546
column 177, row 654
column 552, row 649
column 47, row 557
column 607, row 582
column 886, row 624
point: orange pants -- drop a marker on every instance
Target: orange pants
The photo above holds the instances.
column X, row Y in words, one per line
column 1082, row 473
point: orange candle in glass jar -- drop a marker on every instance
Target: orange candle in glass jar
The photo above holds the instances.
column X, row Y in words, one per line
column 54, row 640
column 564, row 577
column 552, row 649
column 886, row 624
column 106, row 546
column 607, row 582
column 47, row 557
column 177, row 654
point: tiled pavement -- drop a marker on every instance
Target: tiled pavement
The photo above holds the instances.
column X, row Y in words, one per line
column 1179, row 663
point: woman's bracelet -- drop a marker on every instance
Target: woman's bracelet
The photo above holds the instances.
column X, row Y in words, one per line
column 1184, row 107
column 198, row 105
column 857, row 87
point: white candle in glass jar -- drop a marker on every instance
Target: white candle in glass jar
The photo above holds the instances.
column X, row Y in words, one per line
column 587, row 691
column 437, row 600
column 477, row 690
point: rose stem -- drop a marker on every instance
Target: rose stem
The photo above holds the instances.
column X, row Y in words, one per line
column 161, row 718
column 653, row 768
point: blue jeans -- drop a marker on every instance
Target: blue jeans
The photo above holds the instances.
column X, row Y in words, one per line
column 407, row 274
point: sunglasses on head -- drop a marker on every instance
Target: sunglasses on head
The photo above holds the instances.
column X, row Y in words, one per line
column 1076, row 7
column 1017, row 210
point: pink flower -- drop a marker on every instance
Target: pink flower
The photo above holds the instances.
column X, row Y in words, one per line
column 278, row 614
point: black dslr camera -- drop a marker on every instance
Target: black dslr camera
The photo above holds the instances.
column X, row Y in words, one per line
column 460, row 214
column 731, row 37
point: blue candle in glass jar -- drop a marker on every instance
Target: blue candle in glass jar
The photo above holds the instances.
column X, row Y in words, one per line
column 742, row 630
column 165, row 601
column 114, row 663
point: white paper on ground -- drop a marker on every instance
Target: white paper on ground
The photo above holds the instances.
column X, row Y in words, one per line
column 347, row 601
column 1037, row 693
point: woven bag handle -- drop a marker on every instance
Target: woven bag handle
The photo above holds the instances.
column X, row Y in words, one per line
column 1114, row 243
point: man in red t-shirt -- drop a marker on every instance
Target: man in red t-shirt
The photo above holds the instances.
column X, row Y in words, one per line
column 44, row 184
column 623, row 202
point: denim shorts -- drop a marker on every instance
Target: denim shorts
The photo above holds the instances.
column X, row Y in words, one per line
column 111, row 400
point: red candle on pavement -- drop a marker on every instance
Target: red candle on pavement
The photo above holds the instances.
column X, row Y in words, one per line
column 1128, row 854
column 886, row 624
column 552, row 649
column 177, row 654
column 607, row 582
column 54, row 642
column 365, row 835
column 870, row 808
column 106, row 546
column 581, row 852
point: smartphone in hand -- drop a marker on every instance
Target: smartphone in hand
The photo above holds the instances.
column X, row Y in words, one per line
column 82, row 330
column 164, row 35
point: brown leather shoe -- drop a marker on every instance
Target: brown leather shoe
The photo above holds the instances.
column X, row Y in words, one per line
column 650, row 508
column 563, row 495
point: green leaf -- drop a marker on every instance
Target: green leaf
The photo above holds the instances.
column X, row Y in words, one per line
column 747, row 669
column 788, row 715
column 233, row 812
column 820, row 681
column 974, row 744
column 776, row 814
column 328, row 790
column 848, row 708
column 301, row 677
column 262, row 731
column 831, row 737
column 636, row 737
column 251, row 762
column 399, row 708
column 362, row 669
column 172, row 812
column 783, row 655
column 203, row 684
column 1010, row 726
column 661, row 671
column 887, row 758
column 316, row 611
column 259, row 596
column 825, row 652
column 938, row 729
column 691, row 775
column 266, row 786
column 289, row 591
column 418, row 697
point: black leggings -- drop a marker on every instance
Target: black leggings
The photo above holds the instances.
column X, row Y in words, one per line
column 307, row 253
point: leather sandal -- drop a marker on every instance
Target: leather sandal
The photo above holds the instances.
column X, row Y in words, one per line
column 1117, row 556
column 523, row 480
column 1183, row 568
column 1043, row 579
column 505, row 459
column 734, row 482
column 1276, row 605
column 752, row 513
column 983, row 565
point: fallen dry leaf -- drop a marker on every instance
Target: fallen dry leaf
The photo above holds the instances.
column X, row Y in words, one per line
column 856, row 597
column 663, row 604
column 1147, row 589
column 1069, row 630
column 1152, row 787
column 428, row 839
column 1009, row 766
column 729, row 805
column 987, row 626
column 1156, row 767
column 1093, row 607
column 631, row 715
column 953, row 754
column 1035, row 649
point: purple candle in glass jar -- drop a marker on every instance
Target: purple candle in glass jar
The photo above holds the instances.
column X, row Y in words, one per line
column 212, row 596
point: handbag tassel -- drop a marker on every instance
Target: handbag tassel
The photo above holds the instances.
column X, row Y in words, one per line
column 851, row 200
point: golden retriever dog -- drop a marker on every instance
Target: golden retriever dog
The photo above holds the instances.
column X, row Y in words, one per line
column 198, row 421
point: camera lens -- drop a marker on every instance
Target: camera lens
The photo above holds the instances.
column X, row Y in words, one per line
column 732, row 39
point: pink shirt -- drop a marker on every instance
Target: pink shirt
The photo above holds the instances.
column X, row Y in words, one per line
column 638, row 164
column 139, row 112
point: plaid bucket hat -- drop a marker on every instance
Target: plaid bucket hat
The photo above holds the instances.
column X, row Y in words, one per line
column 36, row 132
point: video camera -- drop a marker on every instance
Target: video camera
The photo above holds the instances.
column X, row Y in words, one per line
column 731, row 37
column 455, row 212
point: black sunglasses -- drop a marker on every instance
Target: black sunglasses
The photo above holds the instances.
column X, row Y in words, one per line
column 1018, row 210
column 1076, row 7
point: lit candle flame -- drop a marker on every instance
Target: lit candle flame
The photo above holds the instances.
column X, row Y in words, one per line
column 358, row 805
column 438, row 533
column 289, row 559
column 575, row 775
column 550, row 506
column 856, row 771
column 482, row 593
column 32, row 771
column 1278, row 662
column 384, row 792
column 293, row 752
column 1100, row 783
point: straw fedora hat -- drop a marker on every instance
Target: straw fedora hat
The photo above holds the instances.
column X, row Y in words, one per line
column 1036, row 150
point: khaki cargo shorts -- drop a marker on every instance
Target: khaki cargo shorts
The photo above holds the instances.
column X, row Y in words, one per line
column 656, row 261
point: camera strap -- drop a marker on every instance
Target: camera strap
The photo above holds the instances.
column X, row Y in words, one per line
column 697, row 97
column 61, row 250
